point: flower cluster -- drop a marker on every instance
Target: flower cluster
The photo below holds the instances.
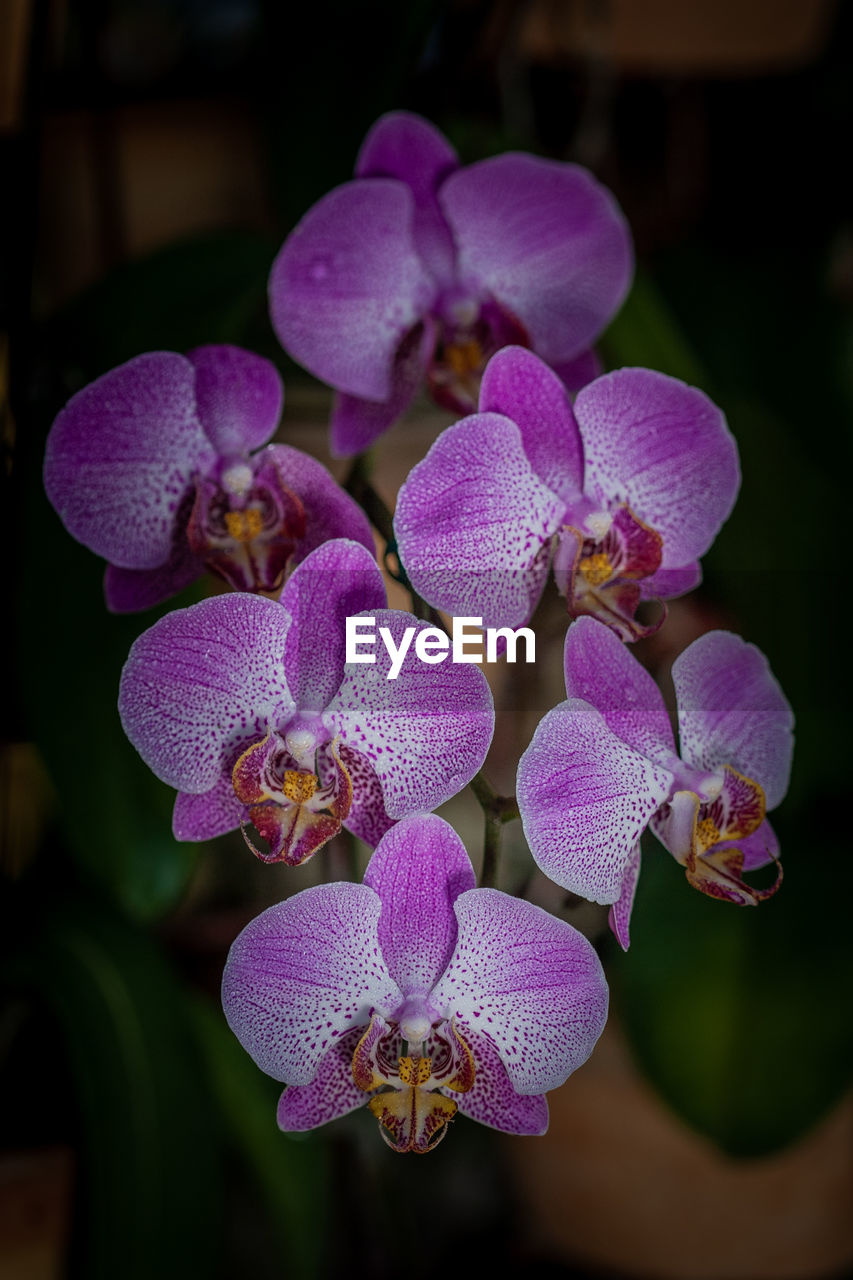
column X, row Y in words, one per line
column 415, row 992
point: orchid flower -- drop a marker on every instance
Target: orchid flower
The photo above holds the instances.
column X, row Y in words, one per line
column 415, row 993
column 420, row 269
column 622, row 492
column 152, row 467
column 247, row 706
column 603, row 766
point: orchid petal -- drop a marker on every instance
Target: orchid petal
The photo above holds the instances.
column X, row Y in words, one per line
column 239, row 397
column 129, row 590
column 546, row 241
column 348, row 285
column 517, row 384
column 474, row 522
column 330, row 512
column 604, row 672
column 731, row 711
column 418, row 871
column 664, row 449
column 367, row 817
column 203, row 683
column 121, row 455
column 405, row 146
column 667, row 583
column 332, row 1092
column 531, row 982
column 492, row 1099
column 338, row 580
column 302, row 974
column 759, row 848
column 209, row 814
column 356, row 423
column 619, row 916
column 580, row 371
column 426, row 733
column 585, row 798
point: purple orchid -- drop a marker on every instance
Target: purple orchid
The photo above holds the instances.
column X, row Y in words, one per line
column 248, row 707
column 603, row 765
column 152, row 467
column 416, row 993
column 628, row 486
column 420, row 269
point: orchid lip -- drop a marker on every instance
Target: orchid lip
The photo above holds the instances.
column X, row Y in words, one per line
column 237, row 479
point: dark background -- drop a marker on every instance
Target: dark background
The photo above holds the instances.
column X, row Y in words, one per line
column 154, row 157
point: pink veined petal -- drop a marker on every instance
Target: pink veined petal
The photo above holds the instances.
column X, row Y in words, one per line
column 519, row 385
column 348, row 285
column 663, row 448
column 356, row 423
column 759, row 848
column 239, row 397
column 329, row 510
column 547, row 241
column 604, row 672
column 367, row 817
column 585, row 798
column 338, row 580
column 205, row 816
column 474, row 523
column 332, row 1092
column 203, row 683
column 418, row 871
column 405, row 146
column 731, row 710
column 121, row 455
column 580, row 371
column 667, row 583
column 492, row 1099
column 619, row 916
column 531, row 982
column 302, row 974
column 426, row 733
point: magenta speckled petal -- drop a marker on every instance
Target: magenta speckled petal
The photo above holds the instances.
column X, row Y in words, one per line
column 129, row 590
column 203, row 683
column 759, row 848
column 667, row 583
column 585, row 798
column 302, row 974
column 419, row 870
column 329, row 511
column 121, row 455
column 580, row 371
column 367, row 817
column 405, row 146
column 546, row 241
column 337, row 581
column 664, row 449
column 474, row 522
column 239, row 397
column 202, row 817
column 604, row 672
column 619, row 916
column 332, row 1092
column 426, row 733
column 531, row 982
column 356, row 423
column 348, row 285
column 732, row 711
column 517, row 384
column 492, row 1100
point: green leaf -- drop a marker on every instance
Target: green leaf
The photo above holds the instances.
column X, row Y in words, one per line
column 150, row 1172
column 291, row 1172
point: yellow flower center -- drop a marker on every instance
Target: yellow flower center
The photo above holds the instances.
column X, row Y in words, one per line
column 464, row 357
column 298, row 786
column 244, row 526
column 596, row 568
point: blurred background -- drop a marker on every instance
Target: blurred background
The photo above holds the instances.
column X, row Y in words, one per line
column 154, row 155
